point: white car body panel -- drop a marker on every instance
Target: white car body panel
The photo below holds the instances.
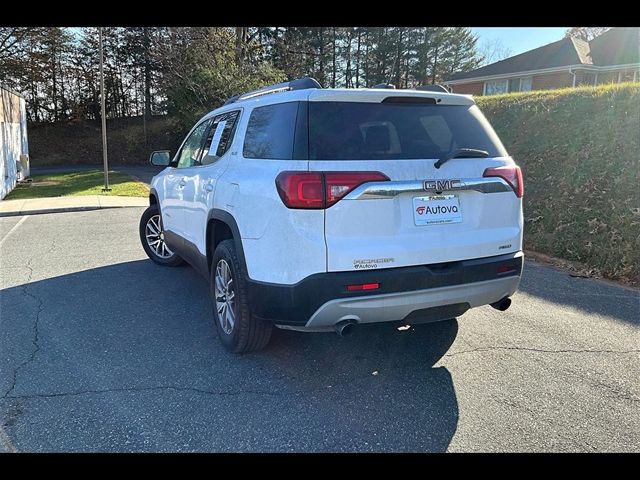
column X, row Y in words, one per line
column 280, row 245
column 284, row 246
column 490, row 222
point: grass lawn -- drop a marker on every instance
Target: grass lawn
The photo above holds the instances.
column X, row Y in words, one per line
column 78, row 183
column 578, row 149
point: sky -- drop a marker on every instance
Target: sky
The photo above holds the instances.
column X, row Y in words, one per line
column 520, row 39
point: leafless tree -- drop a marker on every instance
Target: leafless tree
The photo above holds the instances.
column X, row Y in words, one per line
column 493, row 50
column 586, row 33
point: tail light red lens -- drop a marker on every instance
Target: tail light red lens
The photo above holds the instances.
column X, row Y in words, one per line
column 338, row 184
column 363, row 286
column 513, row 176
column 301, row 189
column 316, row 190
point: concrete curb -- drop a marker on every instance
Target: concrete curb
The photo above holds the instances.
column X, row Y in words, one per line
column 35, row 206
column 63, row 210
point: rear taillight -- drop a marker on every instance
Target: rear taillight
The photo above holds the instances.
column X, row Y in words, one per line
column 338, row 184
column 512, row 174
column 301, row 189
column 316, row 190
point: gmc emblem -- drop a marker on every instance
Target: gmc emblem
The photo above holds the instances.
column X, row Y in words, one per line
column 442, row 185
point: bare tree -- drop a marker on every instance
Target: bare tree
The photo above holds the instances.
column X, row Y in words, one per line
column 586, row 33
column 10, row 38
column 493, row 50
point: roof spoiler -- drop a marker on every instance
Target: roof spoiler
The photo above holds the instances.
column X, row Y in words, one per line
column 298, row 84
column 433, row 88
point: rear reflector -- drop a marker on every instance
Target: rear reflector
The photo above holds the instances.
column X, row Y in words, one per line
column 512, row 175
column 505, row 268
column 363, row 286
column 317, row 190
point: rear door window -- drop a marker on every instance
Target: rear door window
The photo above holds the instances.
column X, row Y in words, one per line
column 220, row 136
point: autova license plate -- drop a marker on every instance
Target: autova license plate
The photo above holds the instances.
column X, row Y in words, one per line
column 436, row 210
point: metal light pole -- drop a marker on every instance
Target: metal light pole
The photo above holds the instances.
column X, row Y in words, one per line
column 104, row 120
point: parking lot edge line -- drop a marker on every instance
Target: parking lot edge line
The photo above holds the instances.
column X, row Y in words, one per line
column 20, row 222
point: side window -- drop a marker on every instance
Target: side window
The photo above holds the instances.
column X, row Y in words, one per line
column 192, row 148
column 220, row 136
column 271, row 131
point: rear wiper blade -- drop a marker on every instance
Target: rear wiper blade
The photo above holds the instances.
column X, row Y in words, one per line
column 461, row 153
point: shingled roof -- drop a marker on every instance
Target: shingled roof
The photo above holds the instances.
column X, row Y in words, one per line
column 618, row 46
column 615, row 47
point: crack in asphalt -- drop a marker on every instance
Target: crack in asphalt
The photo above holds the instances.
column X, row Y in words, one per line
column 166, row 387
column 272, row 393
column 36, row 324
column 617, row 394
column 538, row 350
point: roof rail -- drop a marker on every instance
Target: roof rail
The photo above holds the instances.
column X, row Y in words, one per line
column 298, row 84
column 384, row 85
column 433, row 88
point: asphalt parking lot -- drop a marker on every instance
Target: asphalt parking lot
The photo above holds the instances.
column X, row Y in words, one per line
column 102, row 350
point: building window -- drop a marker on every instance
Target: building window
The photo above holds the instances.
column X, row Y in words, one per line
column 525, row 84
column 496, row 87
column 628, row 76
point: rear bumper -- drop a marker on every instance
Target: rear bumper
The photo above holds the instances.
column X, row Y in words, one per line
column 420, row 305
column 322, row 300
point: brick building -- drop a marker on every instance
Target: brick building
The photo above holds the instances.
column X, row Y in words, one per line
column 614, row 56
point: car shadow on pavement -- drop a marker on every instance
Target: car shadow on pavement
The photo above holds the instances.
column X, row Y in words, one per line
column 118, row 342
column 586, row 294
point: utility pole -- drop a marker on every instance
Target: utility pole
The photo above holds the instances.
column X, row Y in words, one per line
column 104, row 119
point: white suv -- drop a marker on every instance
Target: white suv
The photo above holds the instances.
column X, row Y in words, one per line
column 321, row 209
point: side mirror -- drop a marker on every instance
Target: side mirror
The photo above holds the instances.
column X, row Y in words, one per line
column 160, row 158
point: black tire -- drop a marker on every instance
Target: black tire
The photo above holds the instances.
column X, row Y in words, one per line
column 172, row 260
column 248, row 333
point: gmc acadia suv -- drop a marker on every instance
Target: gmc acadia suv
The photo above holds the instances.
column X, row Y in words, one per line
column 320, row 209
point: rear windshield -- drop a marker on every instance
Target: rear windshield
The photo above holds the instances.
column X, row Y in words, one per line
column 382, row 131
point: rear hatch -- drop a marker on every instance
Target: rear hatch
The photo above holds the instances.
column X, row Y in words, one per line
column 422, row 214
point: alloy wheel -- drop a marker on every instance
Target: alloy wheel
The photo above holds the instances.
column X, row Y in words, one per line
column 225, row 297
column 155, row 237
